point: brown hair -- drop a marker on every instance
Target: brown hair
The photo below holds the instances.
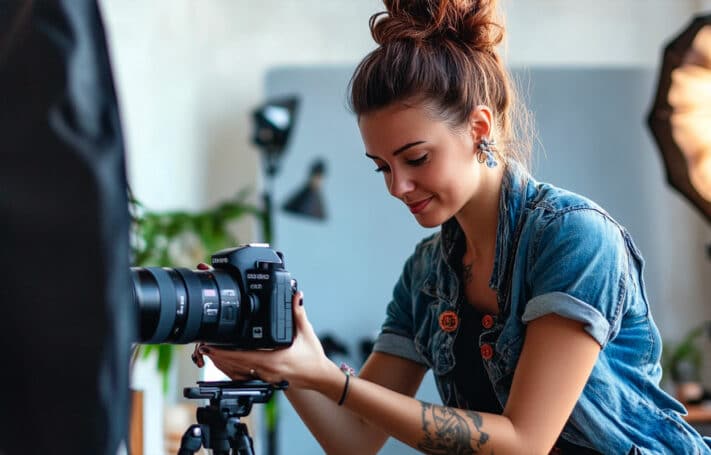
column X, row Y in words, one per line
column 441, row 53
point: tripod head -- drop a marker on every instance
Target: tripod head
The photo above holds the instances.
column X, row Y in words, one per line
column 219, row 427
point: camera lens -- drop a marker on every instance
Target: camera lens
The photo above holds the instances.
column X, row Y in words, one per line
column 181, row 306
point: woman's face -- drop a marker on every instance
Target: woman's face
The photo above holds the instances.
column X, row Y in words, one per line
column 426, row 164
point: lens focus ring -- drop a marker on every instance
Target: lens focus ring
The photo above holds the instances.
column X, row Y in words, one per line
column 167, row 305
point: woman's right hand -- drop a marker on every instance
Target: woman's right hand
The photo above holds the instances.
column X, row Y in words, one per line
column 302, row 364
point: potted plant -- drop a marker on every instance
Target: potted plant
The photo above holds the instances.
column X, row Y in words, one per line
column 683, row 362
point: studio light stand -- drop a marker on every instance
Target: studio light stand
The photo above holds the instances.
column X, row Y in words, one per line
column 273, row 122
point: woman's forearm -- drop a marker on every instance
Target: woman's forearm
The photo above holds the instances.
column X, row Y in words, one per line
column 336, row 428
column 372, row 412
column 426, row 427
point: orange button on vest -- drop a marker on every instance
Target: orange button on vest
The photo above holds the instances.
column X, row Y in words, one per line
column 487, row 352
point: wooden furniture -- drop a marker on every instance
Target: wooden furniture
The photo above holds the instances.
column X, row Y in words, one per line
column 698, row 413
column 699, row 417
column 135, row 435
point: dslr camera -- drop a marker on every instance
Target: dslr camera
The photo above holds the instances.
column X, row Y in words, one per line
column 243, row 302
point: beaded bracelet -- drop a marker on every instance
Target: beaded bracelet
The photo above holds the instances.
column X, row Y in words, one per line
column 348, row 371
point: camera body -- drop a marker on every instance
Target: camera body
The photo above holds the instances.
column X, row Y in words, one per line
column 266, row 298
column 245, row 302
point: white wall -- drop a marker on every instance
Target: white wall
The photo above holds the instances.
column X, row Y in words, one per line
column 188, row 74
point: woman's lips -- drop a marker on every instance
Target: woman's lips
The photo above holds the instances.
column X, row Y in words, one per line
column 417, row 207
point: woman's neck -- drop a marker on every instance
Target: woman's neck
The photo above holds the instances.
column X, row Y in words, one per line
column 479, row 218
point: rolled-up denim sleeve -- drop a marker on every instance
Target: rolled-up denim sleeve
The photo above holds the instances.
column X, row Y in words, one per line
column 397, row 334
column 578, row 271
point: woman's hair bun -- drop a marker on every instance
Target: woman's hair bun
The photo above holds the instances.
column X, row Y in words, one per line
column 473, row 23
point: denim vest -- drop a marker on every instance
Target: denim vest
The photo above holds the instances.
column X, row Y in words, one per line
column 556, row 252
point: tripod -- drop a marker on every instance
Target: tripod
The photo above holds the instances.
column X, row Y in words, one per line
column 219, row 427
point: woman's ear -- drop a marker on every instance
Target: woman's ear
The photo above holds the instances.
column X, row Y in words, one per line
column 480, row 123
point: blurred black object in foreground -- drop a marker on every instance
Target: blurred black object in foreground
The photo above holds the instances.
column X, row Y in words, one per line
column 65, row 325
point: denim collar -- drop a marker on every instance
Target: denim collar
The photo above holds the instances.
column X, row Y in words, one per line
column 518, row 186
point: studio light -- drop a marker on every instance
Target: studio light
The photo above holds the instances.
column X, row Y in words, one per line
column 308, row 201
column 680, row 118
column 273, row 122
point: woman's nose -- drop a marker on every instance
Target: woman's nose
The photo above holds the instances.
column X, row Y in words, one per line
column 400, row 184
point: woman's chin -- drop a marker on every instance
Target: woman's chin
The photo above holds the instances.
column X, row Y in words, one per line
column 429, row 221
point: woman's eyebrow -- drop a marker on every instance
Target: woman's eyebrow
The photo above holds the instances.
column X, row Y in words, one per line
column 399, row 150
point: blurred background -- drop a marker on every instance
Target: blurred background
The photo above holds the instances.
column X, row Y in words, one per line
column 190, row 74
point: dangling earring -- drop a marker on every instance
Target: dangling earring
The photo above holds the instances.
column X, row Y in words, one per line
column 486, row 152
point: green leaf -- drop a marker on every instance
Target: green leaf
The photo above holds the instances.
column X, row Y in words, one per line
column 685, row 351
column 165, row 359
column 147, row 349
column 271, row 412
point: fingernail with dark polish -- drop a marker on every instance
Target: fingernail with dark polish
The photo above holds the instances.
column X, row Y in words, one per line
column 194, row 357
column 301, row 302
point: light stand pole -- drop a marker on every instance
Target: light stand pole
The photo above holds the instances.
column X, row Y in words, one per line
column 273, row 122
column 271, row 408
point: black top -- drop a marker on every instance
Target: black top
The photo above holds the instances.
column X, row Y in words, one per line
column 470, row 377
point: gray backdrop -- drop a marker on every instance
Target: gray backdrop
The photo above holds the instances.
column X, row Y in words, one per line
column 592, row 140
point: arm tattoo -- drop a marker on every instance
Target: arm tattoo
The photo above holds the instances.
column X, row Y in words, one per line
column 449, row 431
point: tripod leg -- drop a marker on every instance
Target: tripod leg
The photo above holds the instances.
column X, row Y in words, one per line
column 243, row 442
column 191, row 441
column 240, row 441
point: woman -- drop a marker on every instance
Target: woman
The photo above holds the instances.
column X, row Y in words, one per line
column 528, row 305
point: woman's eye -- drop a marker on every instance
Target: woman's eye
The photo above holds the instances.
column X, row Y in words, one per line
column 414, row 162
column 418, row 161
